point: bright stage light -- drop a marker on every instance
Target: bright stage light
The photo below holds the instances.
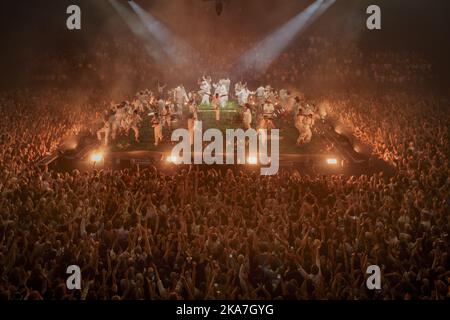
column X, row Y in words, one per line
column 252, row 160
column 171, row 159
column 332, row 161
column 96, row 156
column 263, row 54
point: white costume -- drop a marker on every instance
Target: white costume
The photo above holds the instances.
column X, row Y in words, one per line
column 305, row 132
column 180, row 96
column 268, row 93
column 300, row 126
column 260, row 95
column 157, row 131
column 243, row 95
column 161, row 89
column 227, row 84
column 205, row 91
column 120, row 113
column 221, row 89
column 323, row 107
column 135, row 119
column 161, row 105
column 237, row 88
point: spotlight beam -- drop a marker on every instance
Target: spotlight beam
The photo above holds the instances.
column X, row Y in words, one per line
column 263, row 54
column 138, row 29
column 174, row 47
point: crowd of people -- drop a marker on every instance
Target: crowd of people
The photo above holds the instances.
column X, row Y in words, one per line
column 229, row 233
column 145, row 234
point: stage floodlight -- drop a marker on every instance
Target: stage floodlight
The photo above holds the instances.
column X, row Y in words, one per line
column 332, row 161
column 97, row 156
column 171, row 159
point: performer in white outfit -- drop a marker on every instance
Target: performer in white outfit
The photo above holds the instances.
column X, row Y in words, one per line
column 309, row 121
column 216, row 87
column 260, row 95
column 121, row 113
column 180, row 97
column 269, row 94
column 161, row 105
column 161, row 89
column 305, row 131
column 227, row 84
column 243, row 95
column 106, row 130
column 205, row 90
column 135, row 120
column 223, row 94
column 300, row 126
column 157, row 129
column 323, row 107
column 237, row 88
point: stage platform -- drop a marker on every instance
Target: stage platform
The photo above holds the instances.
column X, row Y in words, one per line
column 328, row 151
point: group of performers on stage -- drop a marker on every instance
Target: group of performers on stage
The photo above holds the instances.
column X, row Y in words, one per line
column 263, row 105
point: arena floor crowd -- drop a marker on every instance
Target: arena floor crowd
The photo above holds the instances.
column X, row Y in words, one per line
column 230, row 234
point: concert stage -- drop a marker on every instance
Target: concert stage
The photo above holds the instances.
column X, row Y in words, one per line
column 328, row 151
